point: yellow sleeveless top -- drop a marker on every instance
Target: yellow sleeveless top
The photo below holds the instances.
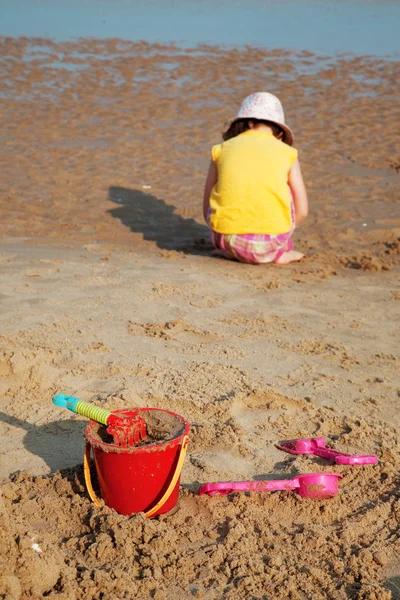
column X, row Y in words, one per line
column 252, row 194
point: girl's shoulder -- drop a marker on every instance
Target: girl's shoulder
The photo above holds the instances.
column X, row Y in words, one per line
column 216, row 151
column 288, row 151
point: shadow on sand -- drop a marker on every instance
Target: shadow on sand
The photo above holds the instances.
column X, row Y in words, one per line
column 393, row 585
column 157, row 221
column 60, row 444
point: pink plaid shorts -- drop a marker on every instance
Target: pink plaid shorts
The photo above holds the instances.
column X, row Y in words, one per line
column 253, row 248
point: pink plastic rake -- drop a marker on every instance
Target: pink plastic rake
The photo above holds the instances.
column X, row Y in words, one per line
column 317, row 446
column 310, row 485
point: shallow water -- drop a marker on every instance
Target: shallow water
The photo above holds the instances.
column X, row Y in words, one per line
column 360, row 27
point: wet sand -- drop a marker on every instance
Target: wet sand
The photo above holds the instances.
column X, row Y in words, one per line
column 109, row 293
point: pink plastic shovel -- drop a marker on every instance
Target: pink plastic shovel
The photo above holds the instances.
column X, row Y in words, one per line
column 311, row 485
column 317, row 446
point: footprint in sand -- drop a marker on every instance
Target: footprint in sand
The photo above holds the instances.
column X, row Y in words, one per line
column 222, row 463
column 259, row 407
column 173, row 330
column 268, row 417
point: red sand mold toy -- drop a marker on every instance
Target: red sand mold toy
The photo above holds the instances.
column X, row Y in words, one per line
column 310, row 485
column 317, row 446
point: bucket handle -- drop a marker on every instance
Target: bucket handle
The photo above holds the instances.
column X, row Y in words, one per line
column 168, row 492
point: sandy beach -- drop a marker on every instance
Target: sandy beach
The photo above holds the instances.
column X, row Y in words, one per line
column 109, row 293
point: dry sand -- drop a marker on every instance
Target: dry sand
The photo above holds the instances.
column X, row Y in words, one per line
column 109, row 293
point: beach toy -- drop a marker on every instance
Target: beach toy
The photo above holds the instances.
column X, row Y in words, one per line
column 143, row 476
column 310, row 485
column 127, row 429
column 317, row 446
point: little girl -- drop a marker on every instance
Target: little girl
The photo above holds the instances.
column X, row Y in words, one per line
column 254, row 193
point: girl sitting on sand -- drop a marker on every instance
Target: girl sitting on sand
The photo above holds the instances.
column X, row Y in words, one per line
column 254, row 193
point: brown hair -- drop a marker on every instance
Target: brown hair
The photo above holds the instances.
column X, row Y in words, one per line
column 241, row 125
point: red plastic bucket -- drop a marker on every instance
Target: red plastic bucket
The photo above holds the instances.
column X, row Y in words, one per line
column 142, row 478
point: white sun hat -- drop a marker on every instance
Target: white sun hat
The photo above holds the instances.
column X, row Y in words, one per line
column 266, row 107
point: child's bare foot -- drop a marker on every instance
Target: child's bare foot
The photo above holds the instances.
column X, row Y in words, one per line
column 288, row 257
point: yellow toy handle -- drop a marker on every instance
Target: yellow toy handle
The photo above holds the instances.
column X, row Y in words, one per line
column 168, row 492
column 88, row 479
column 170, row 489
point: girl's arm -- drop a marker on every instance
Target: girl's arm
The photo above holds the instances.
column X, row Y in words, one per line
column 298, row 189
column 212, row 178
